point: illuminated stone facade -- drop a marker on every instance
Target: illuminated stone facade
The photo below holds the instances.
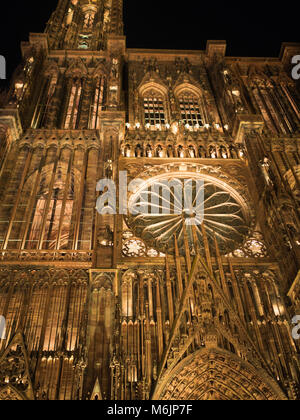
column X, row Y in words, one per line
column 130, row 307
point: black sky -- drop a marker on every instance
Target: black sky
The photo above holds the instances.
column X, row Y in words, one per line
column 253, row 28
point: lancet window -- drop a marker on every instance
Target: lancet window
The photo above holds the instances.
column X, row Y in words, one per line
column 98, row 103
column 154, row 108
column 190, row 109
column 73, row 105
column 279, row 113
column 44, row 105
column 51, row 218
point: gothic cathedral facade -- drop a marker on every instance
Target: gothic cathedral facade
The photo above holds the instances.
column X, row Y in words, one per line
column 122, row 305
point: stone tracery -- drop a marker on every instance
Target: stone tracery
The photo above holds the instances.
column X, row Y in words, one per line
column 218, row 375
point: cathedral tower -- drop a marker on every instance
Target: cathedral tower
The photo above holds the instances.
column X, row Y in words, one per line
column 167, row 303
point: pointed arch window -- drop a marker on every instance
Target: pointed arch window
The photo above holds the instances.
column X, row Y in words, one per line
column 98, row 103
column 73, row 105
column 154, row 108
column 293, row 97
column 190, row 109
column 276, row 115
column 51, row 217
column 44, row 105
column 267, row 115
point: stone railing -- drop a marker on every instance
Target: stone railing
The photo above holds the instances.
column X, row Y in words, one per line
column 45, row 255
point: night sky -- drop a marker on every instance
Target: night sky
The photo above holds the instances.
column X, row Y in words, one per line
column 250, row 28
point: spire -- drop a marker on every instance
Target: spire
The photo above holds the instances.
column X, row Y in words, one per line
column 116, row 21
column 84, row 24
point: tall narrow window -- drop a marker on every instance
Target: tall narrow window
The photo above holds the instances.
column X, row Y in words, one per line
column 278, row 116
column 73, row 105
column 292, row 97
column 190, row 109
column 52, row 224
column 271, row 108
column 154, row 109
column 263, row 110
column 97, row 105
column 51, row 217
column 45, row 104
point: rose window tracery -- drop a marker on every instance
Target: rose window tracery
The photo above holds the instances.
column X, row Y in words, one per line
column 133, row 247
column 158, row 212
column 253, row 247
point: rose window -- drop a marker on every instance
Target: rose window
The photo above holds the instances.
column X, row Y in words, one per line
column 134, row 248
column 160, row 208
